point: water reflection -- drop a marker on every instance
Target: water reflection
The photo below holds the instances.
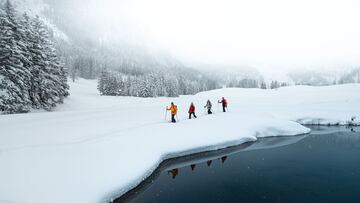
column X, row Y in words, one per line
column 319, row 130
column 173, row 173
column 223, row 159
column 173, row 166
column 321, row 167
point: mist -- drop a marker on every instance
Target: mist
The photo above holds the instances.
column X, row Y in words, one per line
column 275, row 37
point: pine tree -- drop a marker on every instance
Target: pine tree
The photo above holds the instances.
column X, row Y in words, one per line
column 26, row 22
column 108, row 84
column 31, row 75
column 144, row 88
column 102, row 82
column 263, row 86
column 49, row 76
column 154, row 83
column 127, row 86
column 274, row 84
column 182, row 86
column 172, row 87
column 14, row 77
column 122, row 91
column 113, row 88
column 134, row 87
column 161, row 90
column 284, row 84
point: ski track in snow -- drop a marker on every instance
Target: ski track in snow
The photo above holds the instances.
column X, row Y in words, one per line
column 94, row 148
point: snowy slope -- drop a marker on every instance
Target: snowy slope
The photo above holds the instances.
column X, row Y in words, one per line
column 94, row 148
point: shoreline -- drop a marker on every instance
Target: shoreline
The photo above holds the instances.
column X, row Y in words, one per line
column 165, row 163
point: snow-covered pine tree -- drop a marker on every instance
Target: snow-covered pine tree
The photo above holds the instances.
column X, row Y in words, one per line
column 182, row 86
column 122, row 89
column 49, row 75
column 114, row 86
column 103, row 80
column 144, row 88
column 172, row 86
column 134, row 86
column 263, row 86
column 153, row 80
column 33, row 55
column 192, row 87
column 38, row 70
column 127, row 86
column 274, row 84
column 283, row 84
column 14, row 75
column 111, row 84
column 161, row 89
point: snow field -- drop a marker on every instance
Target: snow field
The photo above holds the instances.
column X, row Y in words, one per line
column 94, row 148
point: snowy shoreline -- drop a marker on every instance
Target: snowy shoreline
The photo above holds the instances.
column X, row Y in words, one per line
column 267, row 128
column 93, row 148
column 202, row 157
column 244, row 146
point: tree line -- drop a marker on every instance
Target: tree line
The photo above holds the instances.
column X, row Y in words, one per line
column 161, row 83
column 253, row 83
column 154, row 84
column 31, row 74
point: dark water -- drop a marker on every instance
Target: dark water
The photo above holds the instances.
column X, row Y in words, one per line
column 321, row 167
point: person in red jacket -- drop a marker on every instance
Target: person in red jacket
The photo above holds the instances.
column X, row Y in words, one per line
column 224, row 103
column 192, row 110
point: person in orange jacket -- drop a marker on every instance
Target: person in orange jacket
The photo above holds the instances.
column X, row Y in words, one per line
column 173, row 110
column 192, row 110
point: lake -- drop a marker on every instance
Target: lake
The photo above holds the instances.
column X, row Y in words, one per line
column 323, row 166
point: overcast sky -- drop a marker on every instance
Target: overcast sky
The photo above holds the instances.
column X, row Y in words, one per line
column 258, row 32
column 268, row 34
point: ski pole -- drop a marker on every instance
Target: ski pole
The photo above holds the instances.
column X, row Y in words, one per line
column 166, row 114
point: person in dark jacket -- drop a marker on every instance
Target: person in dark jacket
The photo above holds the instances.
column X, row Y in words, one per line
column 208, row 106
column 192, row 110
column 224, row 103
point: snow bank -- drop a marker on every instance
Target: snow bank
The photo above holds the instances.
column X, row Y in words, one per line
column 94, row 148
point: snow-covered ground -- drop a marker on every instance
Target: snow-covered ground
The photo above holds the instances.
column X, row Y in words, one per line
column 94, row 148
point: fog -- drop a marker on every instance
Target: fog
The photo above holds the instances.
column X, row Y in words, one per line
column 273, row 36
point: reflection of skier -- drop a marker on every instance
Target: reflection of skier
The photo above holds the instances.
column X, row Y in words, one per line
column 224, row 103
column 208, row 106
column 173, row 111
column 174, row 173
column 223, row 159
column 192, row 110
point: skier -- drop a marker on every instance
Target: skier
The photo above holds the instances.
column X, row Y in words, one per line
column 224, row 103
column 192, row 110
column 173, row 111
column 208, row 106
